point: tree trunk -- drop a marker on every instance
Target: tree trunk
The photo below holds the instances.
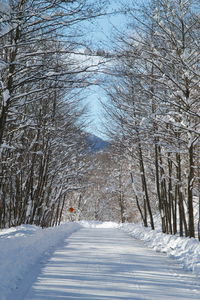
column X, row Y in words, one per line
column 144, row 183
column 121, row 197
column 182, row 217
column 189, row 190
column 160, row 201
column 170, row 195
column 144, row 219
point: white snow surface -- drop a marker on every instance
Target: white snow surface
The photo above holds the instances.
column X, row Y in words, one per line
column 23, row 249
column 185, row 250
column 95, row 224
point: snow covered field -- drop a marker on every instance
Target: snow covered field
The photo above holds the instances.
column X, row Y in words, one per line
column 24, row 248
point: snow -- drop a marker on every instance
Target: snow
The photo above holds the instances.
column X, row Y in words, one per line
column 185, row 250
column 6, row 96
column 25, row 249
column 106, row 263
column 6, row 146
column 5, row 10
column 95, row 224
column 4, row 7
column 22, row 247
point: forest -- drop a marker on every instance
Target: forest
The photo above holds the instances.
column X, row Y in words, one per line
column 150, row 167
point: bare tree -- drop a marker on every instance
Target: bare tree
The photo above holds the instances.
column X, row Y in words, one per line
column 40, row 136
column 156, row 102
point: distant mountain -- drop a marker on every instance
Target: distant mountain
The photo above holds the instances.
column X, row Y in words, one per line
column 95, row 144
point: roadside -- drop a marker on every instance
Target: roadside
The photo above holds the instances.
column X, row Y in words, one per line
column 106, row 263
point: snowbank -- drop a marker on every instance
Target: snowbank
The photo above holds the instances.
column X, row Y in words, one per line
column 23, row 247
column 185, row 250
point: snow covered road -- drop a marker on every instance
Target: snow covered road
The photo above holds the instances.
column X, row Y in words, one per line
column 105, row 263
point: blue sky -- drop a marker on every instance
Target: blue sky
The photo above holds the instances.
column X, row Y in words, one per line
column 101, row 33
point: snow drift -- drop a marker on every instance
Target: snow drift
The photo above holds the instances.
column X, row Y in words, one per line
column 23, row 247
column 185, row 250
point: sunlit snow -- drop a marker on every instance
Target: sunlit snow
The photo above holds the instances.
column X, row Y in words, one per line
column 95, row 260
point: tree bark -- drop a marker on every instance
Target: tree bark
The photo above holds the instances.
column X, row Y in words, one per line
column 190, row 190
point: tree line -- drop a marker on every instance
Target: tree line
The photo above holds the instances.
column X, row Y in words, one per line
column 155, row 104
column 41, row 136
column 153, row 91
